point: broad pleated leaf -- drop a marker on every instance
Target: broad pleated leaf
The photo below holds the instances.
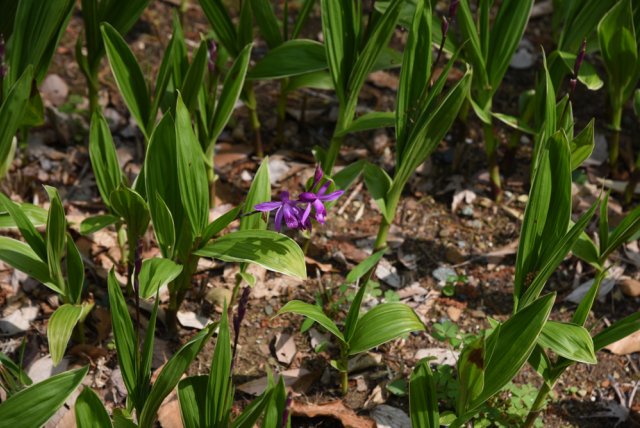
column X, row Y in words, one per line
column 381, row 324
column 192, row 393
column 155, row 273
column 423, row 402
column 568, row 340
column 271, row 250
column 292, row 58
column 260, row 191
column 33, row 406
column 219, row 394
column 12, row 111
column 128, row 76
column 171, row 374
column 90, row 412
column 104, row 160
column 313, row 312
column 192, row 175
column 27, row 229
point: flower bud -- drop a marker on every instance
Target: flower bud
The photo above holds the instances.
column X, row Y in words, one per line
column 580, row 58
column 212, row 55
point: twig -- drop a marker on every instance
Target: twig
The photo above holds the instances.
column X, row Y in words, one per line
column 352, row 195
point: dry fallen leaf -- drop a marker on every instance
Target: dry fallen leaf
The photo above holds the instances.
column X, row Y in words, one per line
column 335, row 409
column 390, row 417
column 285, row 348
column 466, row 196
column 440, row 356
column 169, row 415
column 627, row 345
column 257, row 386
column 192, row 320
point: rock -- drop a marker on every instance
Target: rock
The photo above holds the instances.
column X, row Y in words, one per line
column 190, row 319
column 318, row 339
column 388, row 274
column 524, row 56
column 285, row 348
column 19, row 321
column 278, row 169
column 364, row 361
column 454, row 255
column 439, row 356
column 43, row 368
column 629, row 286
column 54, row 89
column 217, row 296
column 443, row 273
column 390, row 417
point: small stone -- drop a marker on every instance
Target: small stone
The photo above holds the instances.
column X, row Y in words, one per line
column 217, row 296
column 443, row 273
column 285, row 348
column 388, row 274
column 453, row 255
column 54, row 89
column 467, row 211
column 629, row 287
column 268, row 309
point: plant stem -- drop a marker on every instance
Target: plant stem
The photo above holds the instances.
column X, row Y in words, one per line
column 177, row 292
column 94, row 105
column 634, row 179
column 344, row 371
column 332, row 153
column 490, row 146
column 282, row 110
column 211, row 177
column 614, row 147
column 255, row 120
column 538, row 405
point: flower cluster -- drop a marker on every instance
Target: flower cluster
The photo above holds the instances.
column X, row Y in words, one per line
column 296, row 214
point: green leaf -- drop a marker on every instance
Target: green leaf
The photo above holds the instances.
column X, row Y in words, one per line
column 506, row 31
column 37, row 28
column 36, row 215
column 369, row 121
column 12, row 111
column 271, row 250
column 171, row 374
column 90, row 412
column 377, row 40
column 381, row 324
column 250, row 415
column 414, row 74
column 268, row 22
column 192, row 175
column 155, row 273
column 316, row 80
column 161, row 177
column 75, row 272
column 192, row 83
column 514, row 122
column 313, row 312
column 568, row 340
column 192, row 393
column 347, row 175
column 61, row 325
column 221, row 24
column 471, row 371
column 124, row 338
column 636, row 102
column 219, row 393
column 338, row 21
column 27, row 229
column 582, row 145
column 231, row 90
column 33, row 406
column 509, row 346
column 625, row 230
column 128, row 76
column 584, row 248
column 616, row 331
column 163, row 226
column 364, row 266
column 93, row 224
column 292, row 58
column 587, row 75
column 132, row 208
column 218, row 225
column 581, row 21
column 619, row 50
column 20, row 256
column 423, row 402
column 260, row 191
column 104, row 159
column 378, row 183
column 55, row 237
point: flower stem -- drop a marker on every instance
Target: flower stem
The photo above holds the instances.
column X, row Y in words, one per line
column 538, row 405
column 614, row 147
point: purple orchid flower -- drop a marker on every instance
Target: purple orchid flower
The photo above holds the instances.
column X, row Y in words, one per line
column 286, row 210
column 316, row 200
